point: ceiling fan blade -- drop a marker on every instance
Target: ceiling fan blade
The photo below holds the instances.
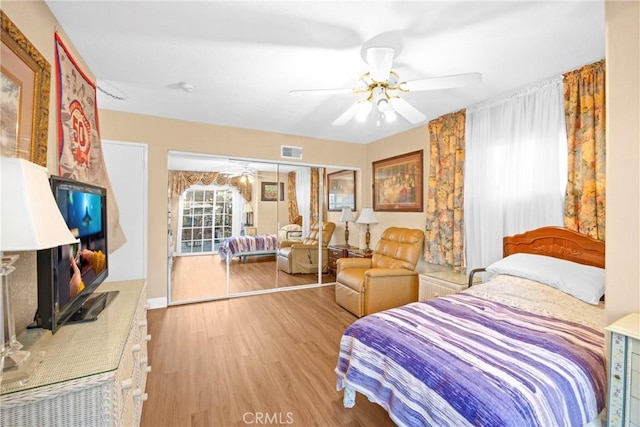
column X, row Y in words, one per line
column 407, row 110
column 380, row 60
column 347, row 115
column 456, row 80
column 320, row 92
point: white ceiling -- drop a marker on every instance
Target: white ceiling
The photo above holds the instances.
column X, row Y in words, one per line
column 243, row 58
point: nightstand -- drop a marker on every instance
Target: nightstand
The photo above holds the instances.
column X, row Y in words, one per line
column 438, row 283
column 358, row 253
column 624, row 372
column 335, row 253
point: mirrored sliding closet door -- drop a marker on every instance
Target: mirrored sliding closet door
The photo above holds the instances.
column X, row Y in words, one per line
column 227, row 222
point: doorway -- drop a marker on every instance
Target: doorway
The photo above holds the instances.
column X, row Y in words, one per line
column 126, row 164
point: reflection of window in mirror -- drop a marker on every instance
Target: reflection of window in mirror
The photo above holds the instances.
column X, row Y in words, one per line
column 206, row 217
column 204, row 211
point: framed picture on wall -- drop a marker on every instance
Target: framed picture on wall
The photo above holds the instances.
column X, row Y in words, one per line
column 24, row 79
column 341, row 192
column 269, row 191
column 397, row 183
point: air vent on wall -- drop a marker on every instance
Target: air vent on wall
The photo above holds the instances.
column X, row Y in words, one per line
column 289, row 152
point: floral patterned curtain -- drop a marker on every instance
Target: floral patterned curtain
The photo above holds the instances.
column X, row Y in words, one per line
column 294, row 214
column 315, row 189
column 584, row 104
column 444, row 235
column 181, row 180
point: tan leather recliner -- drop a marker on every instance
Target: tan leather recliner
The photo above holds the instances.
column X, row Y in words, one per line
column 387, row 280
column 302, row 256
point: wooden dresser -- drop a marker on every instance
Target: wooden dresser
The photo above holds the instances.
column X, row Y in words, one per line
column 624, row 372
column 92, row 374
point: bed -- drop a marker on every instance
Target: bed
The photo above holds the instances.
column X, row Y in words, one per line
column 525, row 348
column 246, row 246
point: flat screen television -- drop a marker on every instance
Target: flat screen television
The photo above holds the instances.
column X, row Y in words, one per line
column 68, row 275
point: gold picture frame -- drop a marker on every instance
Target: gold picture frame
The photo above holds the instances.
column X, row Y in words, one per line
column 341, row 190
column 26, row 85
column 397, row 183
column 270, row 191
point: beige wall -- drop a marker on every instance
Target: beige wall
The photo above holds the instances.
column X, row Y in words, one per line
column 267, row 214
column 623, row 159
column 162, row 135
column 623, row 188
column 407, row 142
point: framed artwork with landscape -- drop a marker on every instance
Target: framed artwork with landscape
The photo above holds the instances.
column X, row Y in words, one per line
column 269, row 191
column 397, row 183
column 25, row 77
column 341, row 190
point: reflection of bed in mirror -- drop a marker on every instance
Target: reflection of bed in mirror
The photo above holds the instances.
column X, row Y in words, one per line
column 246, row 246
column 234, row 188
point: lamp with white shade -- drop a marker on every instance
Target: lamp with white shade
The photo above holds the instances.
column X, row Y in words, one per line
column 367, row 216
column 346, row 217
column 248, row 214
column 30, row 220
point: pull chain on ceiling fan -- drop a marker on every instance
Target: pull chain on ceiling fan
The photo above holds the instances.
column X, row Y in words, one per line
column 383, row 89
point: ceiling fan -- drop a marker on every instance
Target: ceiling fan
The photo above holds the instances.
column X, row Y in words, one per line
column 245, row 172
column 381, row 87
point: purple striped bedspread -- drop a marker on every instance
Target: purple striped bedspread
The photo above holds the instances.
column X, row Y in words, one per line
column 463, row 360
column 248, row 245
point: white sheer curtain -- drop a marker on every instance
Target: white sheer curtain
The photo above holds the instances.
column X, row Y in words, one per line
column 303, row 194
column 238, row 213
column 515, row 168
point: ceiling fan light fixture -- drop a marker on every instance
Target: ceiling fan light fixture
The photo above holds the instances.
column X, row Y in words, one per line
column 384, row 106
column 362, row 110
column 390, row 116
column 384, row 90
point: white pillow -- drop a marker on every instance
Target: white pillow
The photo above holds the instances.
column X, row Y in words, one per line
column 582, row 281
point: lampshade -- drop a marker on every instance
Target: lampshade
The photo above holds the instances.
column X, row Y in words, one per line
column 30, row 218
column 367, row 217
column 347, row 215
column 247, row 208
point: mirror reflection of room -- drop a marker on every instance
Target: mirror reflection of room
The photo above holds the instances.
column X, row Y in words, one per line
column 227, row 220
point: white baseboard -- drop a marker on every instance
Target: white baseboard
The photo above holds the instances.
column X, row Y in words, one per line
column 157, row 303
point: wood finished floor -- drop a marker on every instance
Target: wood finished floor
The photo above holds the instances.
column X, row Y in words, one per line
column 205, row 276
column 229, row 362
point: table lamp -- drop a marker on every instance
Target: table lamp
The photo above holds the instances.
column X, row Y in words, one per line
column 367, row 217
column 29, row 220
column 248, row 214
column 346, row 217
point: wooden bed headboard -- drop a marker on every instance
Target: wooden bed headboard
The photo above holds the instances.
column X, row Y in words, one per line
column 557, row 242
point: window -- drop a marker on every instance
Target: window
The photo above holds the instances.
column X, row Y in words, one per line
column 515, row 169
column 206, row 219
